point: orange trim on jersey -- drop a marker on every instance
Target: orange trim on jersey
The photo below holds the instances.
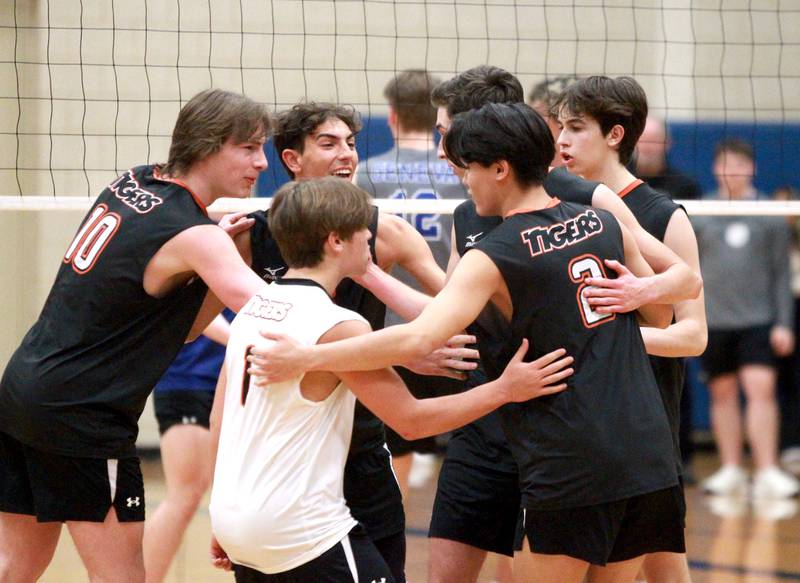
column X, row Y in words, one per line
column 157, row 175
column 553, row 202
column 625, row 191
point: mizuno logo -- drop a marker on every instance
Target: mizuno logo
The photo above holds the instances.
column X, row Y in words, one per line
column 272, row 272
column 383, row 580
column 472, row 242
column 133, row 502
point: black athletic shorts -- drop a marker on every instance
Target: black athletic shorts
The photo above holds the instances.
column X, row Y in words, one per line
column 476, row 506
column 56, row 488
column 182, row 407
column 355, row 558
column 611, row 532
column 728, row 350
column 372, row 493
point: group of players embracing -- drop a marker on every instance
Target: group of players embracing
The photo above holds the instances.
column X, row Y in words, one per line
column 566, row 269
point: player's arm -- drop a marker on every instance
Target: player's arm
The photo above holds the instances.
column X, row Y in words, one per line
column 210, row 253
column 689, row 334
column 673, row 280
column 658, row 315
column 402, row 299
column 400, row 244
column 218, row 330
column 383, row 392
column 473, row 284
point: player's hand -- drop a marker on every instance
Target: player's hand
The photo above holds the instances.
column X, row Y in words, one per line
column 370, row 273
column 278, row 359
column 782, row 341
column 448, row 361
column 625, row 293
column 236, row 223
column 543, row 376
column 219, row 558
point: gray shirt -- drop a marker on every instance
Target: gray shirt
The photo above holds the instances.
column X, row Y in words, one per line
column 746, row 274
column 415, row 175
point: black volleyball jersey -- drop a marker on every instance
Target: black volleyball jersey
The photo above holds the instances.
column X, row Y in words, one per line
column 79, row 381
column 654, row 210
column 483, row 441
column 368, row 430
column 606, row 437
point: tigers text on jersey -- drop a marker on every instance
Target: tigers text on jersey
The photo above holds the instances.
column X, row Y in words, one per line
column 79, row 381
column 277, row 500
column 606, row 437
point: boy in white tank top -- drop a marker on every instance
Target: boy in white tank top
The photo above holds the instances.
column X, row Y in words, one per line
column 277, row 508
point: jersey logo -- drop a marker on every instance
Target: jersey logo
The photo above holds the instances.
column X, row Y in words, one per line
column 271, row 273
column 266, row 309
column 127, row 189
column 133, row 502
column 545, row 239
column 472, row 239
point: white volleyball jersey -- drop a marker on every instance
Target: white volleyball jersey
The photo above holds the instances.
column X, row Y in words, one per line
column 277, row 500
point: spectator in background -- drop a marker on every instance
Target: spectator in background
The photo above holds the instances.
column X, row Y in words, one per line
column 789, row 369
column 412, row 170
column 542, row 98
column 652, row 165
column 745, row 264
column 182, row 401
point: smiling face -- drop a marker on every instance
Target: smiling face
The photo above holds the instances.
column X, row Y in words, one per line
column 233, row 170
column 330, row 150
column 581, row 143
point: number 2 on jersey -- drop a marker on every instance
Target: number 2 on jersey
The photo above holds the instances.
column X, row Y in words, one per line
column 92, row 238
column 579, row 269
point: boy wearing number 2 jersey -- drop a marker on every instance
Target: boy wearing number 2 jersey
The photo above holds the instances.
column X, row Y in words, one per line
column 597, row 472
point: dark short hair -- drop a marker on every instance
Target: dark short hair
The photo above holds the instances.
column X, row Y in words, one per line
column 294, row 125
column 475, row 88
column 303, row 213
column 610, row 102
column 207, row 121
column 409, row 94
column 735, row 146
column 549, row 90
column 502, row 131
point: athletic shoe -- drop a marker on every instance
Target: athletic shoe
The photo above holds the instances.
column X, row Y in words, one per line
column 774, row 508
column 790, row 459
column 727, row 506
column 773, row 482
column 727, row 481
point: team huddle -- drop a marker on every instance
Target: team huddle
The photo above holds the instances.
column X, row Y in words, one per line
column 564, row 269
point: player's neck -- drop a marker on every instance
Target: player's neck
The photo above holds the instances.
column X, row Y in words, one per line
column 525, row 199
column 202, row 188
column 422, row 141
column 611, row 173
column 324, row 274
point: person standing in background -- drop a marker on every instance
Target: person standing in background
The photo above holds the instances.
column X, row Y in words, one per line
column 652, row 165
column 745, row 265
column 182, row 401
column 412, row 170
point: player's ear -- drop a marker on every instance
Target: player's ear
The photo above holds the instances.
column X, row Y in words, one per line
column 335, row 241
column 292, row 160
column 502, row 169
column 615, row 135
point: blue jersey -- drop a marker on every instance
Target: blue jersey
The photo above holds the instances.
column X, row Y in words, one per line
column 196, row 367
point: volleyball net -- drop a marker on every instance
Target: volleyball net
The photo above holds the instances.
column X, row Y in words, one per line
column 93, row 87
